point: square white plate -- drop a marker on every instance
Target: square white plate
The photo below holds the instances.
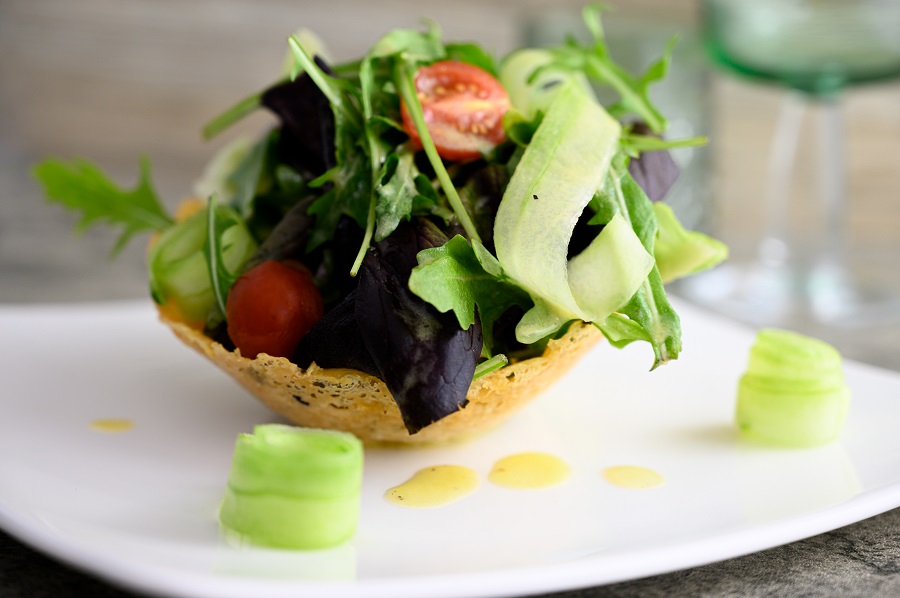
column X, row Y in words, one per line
column 138, row 508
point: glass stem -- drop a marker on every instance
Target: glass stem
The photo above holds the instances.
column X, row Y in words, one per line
column 832, row 179
column 829, row 290
column 773, row 248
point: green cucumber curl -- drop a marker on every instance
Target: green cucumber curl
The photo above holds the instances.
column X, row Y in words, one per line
column 793, row 393
column 293, row 488
column 178, row 271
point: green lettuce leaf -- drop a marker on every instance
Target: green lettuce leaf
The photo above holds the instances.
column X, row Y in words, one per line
column 452, row 278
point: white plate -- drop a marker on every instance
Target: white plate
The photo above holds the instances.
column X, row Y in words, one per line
column 138, row 508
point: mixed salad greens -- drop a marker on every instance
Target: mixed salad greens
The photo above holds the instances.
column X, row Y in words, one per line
column 425, row 214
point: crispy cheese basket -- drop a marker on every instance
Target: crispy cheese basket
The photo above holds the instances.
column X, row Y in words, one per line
column 356, row 402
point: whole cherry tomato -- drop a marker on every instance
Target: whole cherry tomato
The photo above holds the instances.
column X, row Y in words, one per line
column 271, row 307
column 463, row 107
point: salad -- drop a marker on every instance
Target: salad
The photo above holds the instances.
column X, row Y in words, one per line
column 424, row 216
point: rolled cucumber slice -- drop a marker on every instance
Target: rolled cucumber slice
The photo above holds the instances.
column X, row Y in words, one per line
column 178, row 271
column 291, row 487
column 793, row 392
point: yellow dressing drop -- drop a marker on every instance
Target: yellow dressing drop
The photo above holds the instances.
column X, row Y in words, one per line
column 633, row 477
column 112, row 425
column 529, row 471
column 434, row 487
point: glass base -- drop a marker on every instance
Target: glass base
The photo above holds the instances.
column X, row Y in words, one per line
column 801, row 298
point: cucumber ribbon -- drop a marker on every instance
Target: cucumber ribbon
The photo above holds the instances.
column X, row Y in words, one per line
column 560, row 171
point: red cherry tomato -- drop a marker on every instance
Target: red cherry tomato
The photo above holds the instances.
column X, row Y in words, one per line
column 271, row 307
column 463, row 107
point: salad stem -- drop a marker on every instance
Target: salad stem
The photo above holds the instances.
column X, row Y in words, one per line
column 232, row 115
column 603, row 72
column 486, row 367
column 407, row 87
column 310, row 67
column 638, row 144
column 213, row 252
column 365, row 78
column 367, row 239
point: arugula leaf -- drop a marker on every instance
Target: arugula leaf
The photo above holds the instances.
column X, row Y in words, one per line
column 349, row 195
column 634, row 93
column 376, row 153
column 350, row 178
column 338, row 91
column 596, row 62
column 635, row 143
column 81, row 186
column 472, row 54
column 650, row 308
column 373, row 182
column 451, row 278
column 396, row 193
column 400, row 52
column 407, row 50
column 410, row 45
column 651, row 164
column 427, row 201
column 249, row 175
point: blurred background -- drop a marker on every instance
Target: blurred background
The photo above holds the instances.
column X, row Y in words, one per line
column 114, row 80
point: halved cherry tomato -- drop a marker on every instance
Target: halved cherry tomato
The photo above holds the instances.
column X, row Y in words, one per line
column 463, row 107
column 271, row 307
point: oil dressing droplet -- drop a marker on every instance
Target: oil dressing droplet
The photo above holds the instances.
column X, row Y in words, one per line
column 529, row 471
column 434, row 487
column 113, row 425
column 633, row 477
